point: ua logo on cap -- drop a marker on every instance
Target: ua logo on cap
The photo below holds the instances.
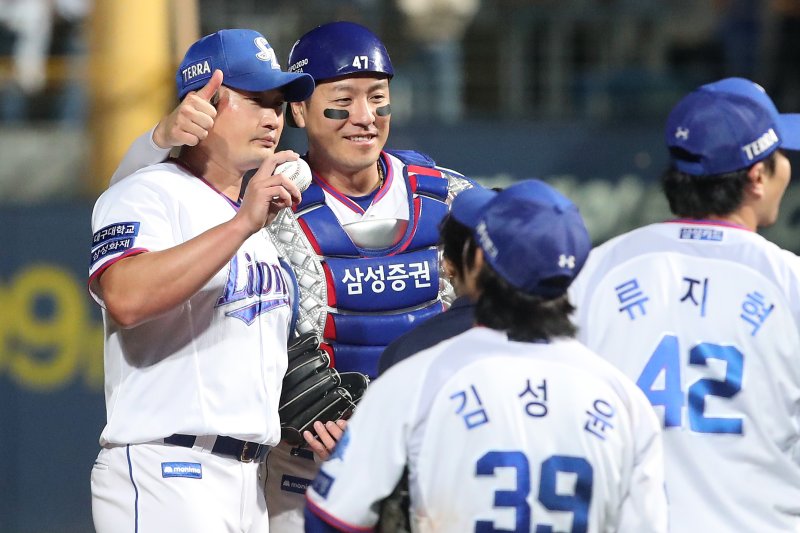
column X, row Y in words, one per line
column 682, row 133
column 566, row 261
column 267, row 53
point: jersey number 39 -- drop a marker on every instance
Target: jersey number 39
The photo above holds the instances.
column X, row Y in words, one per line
column 577, row 503
column 666, row 359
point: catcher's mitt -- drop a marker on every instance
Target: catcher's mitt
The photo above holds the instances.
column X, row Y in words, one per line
column 313, row 390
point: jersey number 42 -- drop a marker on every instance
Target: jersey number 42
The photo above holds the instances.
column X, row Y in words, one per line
column 666, row 359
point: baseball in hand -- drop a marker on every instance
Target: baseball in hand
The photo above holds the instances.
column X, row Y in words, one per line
column 297, row 171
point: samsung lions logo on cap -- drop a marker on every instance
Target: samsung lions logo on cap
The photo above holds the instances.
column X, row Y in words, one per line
column 682, row 133
column 267, row 53
column 197, row 71
column 761, row 145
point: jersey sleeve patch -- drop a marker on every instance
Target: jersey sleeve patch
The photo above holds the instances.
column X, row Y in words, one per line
column 113, row 239
column 120, row 230
column 322, row 484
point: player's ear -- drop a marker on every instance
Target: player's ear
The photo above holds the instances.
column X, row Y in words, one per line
column 449, row 268
column 297, row 110
column 471, row 274
column 757, row 176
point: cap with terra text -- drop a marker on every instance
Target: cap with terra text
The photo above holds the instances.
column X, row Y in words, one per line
column 726, row 126
column 247, row 62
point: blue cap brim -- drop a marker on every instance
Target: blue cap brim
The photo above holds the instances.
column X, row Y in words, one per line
column 789, row 124
column 295, row 87
column 469, row 204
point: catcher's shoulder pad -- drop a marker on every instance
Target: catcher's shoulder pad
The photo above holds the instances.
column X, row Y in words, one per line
column 412, row 157
column 456, row 184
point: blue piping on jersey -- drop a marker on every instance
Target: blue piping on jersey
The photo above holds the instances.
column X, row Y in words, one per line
column 135, row 491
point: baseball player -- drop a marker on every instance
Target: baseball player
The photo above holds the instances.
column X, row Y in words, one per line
column 513, row 426
column 362, row 243
column 196, row 307
column 459, row 317
column 703, row 313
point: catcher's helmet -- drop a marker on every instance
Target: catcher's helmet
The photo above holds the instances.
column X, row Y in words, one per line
column 339, row 49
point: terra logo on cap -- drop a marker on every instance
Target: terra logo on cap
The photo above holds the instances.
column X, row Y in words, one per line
column 247, row 62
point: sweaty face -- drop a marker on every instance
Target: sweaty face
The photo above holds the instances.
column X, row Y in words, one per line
column 352, row 144
column 775, row 187
column 247, row 128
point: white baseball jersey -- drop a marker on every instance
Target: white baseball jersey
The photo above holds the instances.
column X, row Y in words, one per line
column 214, row 365
column 704, row 317
column 289, row 469
column 500, row 435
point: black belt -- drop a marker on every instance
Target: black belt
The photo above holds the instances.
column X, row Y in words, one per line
column 242, row 450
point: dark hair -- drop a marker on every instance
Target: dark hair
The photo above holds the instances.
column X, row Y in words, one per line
column 701, row 196
column 524, row 317
column 454, row 237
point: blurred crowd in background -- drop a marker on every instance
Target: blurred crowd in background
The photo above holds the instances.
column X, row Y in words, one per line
column 42, row 49
column 540, row 79
column 456, row 59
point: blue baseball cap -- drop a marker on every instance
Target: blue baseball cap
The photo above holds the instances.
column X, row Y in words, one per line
column 531, row 235
column 727, row 125
column 247, row 62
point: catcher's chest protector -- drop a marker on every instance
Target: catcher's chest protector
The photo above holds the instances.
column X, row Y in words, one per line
column 359, row 298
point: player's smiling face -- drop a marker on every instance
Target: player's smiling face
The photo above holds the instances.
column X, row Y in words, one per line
column 347, row 123
column 247, row 128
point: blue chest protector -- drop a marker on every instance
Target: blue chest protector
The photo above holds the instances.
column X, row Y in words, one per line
column 373, row 296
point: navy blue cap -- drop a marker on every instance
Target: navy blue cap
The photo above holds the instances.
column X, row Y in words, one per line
column 339, row 49
column 247, row 62
column 530, row 234
column 470, row 203
column 727, row 125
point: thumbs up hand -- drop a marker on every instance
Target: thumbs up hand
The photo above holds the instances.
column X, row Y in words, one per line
column 189, row 123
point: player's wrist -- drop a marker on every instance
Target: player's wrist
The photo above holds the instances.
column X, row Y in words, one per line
column 159, row 137
column 243, row 226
